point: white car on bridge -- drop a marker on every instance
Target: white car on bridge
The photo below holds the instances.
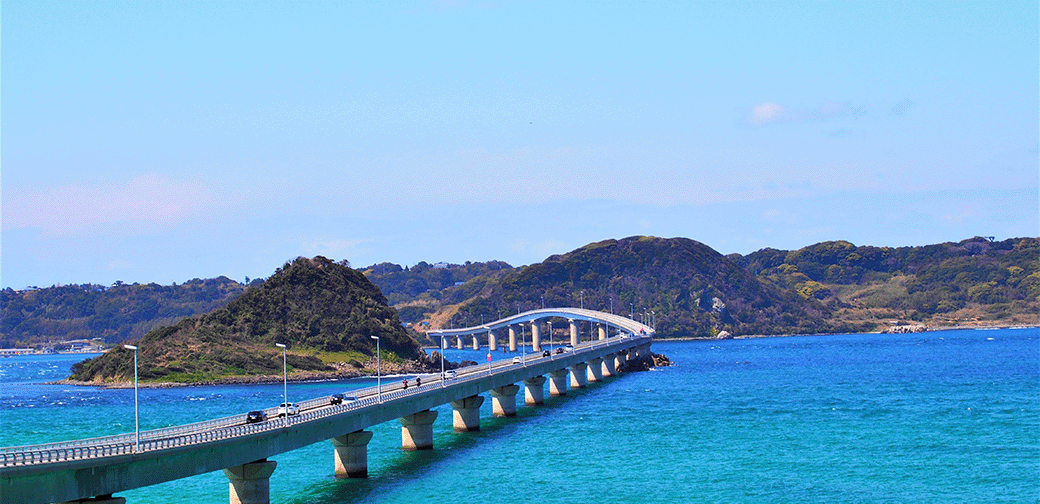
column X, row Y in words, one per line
column 287, row 409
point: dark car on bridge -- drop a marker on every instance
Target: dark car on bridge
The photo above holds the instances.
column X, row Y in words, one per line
column 256, row 416
column 341, row 398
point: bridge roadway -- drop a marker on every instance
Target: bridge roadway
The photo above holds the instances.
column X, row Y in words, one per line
column 91, row 470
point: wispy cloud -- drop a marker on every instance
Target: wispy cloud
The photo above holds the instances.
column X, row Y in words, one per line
column 773, row 113
column 78, row 208
column 900, row 109
column 764, row 113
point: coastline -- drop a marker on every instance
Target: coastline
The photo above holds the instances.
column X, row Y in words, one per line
column 412, row 368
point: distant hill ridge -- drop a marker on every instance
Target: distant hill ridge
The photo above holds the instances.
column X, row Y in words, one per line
column 830, row 286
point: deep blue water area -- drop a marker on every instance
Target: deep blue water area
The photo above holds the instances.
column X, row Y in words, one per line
column 938, row 417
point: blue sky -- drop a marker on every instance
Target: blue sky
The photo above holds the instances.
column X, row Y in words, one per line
column 164, row 141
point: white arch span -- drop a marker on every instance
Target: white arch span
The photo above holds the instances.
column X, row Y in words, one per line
column 572, row 314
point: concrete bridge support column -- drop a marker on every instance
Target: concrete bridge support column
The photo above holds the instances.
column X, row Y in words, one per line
column 575, row 337
column 558, row 382
column 534, row 391
column 512, row 338
column 644, row 350
column 417, row 430
column 492, row 341
column 458, row 342
column 352, row 454
column 595, row 370
column 578, row 378
column 466, row 414
column 250, row 483
column 609, row 365
column 602, row 331
column 476, row 343
column 622, row 357
column 503, row 400
column 536, row 337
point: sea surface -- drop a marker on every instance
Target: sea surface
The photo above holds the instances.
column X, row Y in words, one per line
column 937, row 417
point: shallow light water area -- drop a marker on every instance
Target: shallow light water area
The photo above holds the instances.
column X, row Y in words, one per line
column 949, row 416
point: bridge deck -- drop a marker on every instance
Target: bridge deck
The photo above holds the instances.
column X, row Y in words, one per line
column 84, row 468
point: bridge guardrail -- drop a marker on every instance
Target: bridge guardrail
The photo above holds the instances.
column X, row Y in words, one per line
column 235, row 426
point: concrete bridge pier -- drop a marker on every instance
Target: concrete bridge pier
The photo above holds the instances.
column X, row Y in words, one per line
column 458, row 342
column 250, row 483
column 622, row 358
column 417, row 430
column 595, row 370
column 609, row 366
column 503, row 400
column 602, row 331
column 558, row 382
column 536, row 337
column 476, row 343
column 575, row 337
column 492, row 341
column 578, row 377
column 534, row 393
column 466, row 414
column 512, row 338
column 351, row 454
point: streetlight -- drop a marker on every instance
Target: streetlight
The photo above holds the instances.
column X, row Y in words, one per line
column 137, row 426
column 582, row 300
column 550, row 340
column 379, row 371
column 632, row 311
column 523, row 343
column 285, row 384
column 442, row 359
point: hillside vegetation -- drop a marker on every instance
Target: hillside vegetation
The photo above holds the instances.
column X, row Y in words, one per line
column 695, row 292
column 42, row 317
column 972, row 281
column 325, row 312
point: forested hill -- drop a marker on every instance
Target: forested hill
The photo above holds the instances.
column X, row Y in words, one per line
column 972, row 281
column 42, row 317
column 691, row 289
column 827, row 287
column 325, row 312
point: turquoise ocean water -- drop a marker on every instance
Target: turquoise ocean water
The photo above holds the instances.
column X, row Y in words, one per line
column 938, row 417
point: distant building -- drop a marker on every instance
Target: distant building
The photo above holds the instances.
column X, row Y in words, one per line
column 7, row 352
column 440, row 265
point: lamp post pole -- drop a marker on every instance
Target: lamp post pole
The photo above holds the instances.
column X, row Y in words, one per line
column 550, row 340
column 285, row 383
column 379, row 372
column 523, row 343
column 442, row 360
column 137, row 425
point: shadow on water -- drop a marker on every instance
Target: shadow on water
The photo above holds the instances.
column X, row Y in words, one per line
column 408, row 466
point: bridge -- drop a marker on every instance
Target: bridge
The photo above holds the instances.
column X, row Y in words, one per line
column 92, row 470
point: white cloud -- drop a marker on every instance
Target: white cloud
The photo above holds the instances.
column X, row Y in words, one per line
column 766, row 113
column 769, row 113
column 72, row 209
